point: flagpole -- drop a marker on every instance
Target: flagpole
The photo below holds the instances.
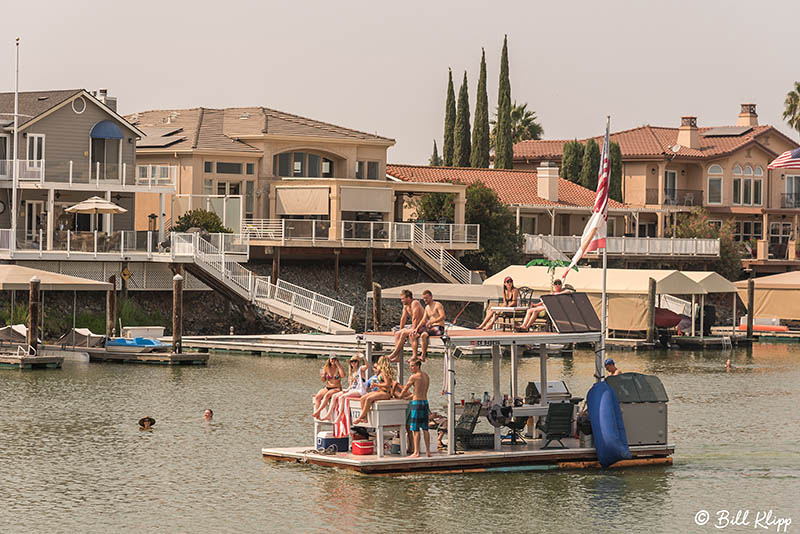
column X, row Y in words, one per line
column 15, row 169
column 604, row 299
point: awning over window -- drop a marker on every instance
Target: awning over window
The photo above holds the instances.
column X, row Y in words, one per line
column 106, row 130
column 367, row 199
column 302, row 200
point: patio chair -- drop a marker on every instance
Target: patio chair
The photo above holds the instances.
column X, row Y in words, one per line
column 558, row 423
column 465, row 427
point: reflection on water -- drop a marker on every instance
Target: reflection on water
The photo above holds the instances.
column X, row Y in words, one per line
column 74, row 459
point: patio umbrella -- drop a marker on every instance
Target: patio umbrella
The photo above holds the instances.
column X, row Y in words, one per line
column 96, row 205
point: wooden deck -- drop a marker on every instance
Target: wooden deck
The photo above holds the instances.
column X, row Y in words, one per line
column 12, row 361
column 527, row 457
column 159, row 358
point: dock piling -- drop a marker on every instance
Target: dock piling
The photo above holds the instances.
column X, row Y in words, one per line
column 651, row 311
column 177, row 313
column 376, row 307
column 33, row 315
column 751, row 289
column 111, row 307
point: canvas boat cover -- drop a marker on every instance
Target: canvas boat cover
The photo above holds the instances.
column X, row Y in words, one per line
column 776, row 296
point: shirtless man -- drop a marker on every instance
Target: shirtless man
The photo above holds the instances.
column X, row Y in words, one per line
column 413, row 312
column 419, row 410
column 432, row 322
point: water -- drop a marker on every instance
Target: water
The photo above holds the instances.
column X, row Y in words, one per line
column 73, row 458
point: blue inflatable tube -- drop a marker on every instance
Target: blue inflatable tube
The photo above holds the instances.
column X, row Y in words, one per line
column 608, row 430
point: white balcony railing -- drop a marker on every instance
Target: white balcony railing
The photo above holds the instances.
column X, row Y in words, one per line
column 634, row 246
column 82, row 172
column 283, row 230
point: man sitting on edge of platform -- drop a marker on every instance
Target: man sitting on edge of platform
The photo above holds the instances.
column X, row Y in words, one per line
column 432, row 322
column 533, row 312
column 418, row 409
column 413, row 312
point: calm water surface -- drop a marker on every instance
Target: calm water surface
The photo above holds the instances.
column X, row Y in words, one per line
column 74, row 460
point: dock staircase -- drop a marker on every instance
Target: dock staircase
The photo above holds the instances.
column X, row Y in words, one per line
column 437, row 262
column 220, row 269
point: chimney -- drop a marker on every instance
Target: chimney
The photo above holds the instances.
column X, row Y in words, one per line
column 748, row 116
column 687, row 133
column 109, row 101
column 547, row 181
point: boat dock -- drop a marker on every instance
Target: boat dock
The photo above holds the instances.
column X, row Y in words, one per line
column 22, row 360
column 100, row 354
column 521, row 457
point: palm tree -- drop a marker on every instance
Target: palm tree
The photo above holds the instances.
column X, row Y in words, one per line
column 523, row 124
column 792, row 111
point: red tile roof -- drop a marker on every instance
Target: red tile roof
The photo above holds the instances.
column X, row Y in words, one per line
column 645, row 141
column 511, row 186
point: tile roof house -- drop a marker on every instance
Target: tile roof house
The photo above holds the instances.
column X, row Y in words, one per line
column 721, row 168
column 542, row 201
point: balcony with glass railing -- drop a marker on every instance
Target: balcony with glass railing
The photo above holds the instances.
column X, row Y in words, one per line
column 71, row 172
column 363, row 234
column 625, row 246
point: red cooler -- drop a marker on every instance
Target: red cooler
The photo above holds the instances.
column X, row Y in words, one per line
column 363, row 447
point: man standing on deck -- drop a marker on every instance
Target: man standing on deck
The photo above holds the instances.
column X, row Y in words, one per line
column 413, row 312
column 419, row 410
column 432, row 323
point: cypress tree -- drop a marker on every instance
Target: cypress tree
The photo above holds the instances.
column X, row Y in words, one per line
column 615, row 172
column 571, row 160
column 449, row 120
column 504, row 144
column 461, row 155
column 480, row 128
column 435, row 160
column 590, row 165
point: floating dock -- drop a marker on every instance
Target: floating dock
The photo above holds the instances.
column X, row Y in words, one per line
column 160, row 358
column 520, row 457
column 24, row 361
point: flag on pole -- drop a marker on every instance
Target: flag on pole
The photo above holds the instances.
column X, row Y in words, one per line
column 788, row 160
column 594, row 235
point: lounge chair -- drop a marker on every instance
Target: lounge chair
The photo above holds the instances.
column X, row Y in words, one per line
column 558, row 423
column 465, row 429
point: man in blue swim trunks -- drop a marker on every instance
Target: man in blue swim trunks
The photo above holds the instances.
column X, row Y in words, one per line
column 419, row 412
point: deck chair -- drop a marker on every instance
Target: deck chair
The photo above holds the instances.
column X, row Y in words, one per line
column 516, row 425
column 465, row 426
column 558, row 423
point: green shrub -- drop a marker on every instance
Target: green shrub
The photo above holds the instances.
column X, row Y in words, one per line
column 208, row 221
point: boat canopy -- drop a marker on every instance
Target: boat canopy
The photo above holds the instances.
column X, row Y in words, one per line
column 776, row 296
column 711, row 281
column 16, row 277
column 447, row 292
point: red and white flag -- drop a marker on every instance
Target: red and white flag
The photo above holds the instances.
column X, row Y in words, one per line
column 594, row 235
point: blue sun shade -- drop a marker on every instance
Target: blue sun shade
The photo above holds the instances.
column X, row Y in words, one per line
column 106, row 130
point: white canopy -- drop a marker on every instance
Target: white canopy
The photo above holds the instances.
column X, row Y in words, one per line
column 16, row 277
column 96, row 205
column 711, row 281
column 776, row 296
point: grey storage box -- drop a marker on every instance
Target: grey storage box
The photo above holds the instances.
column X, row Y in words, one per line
column 643, row 401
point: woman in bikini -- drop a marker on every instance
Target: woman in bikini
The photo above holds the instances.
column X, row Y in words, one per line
column 357, row 388
column 510, row 299
column 332, row 374
column 386, row 382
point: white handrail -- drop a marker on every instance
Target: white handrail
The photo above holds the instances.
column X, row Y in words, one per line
column 445, row 261
column 298, row 298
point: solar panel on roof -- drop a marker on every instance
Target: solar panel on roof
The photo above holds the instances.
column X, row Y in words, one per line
column 727, row 131
column 158, row 142
column 571, row 313
column 152, row 131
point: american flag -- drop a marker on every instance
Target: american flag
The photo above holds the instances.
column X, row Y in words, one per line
column 594, row 235
column 788, row 160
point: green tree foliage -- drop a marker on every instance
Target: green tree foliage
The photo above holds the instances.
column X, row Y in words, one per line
column 435, row 160
column 590, row 165
column 791, row 111
column 449, row 121
column 462, row 146
column 523, row 124
column 504, row 144
column 615, row 172
column 571, row 160
column 480, row 128
column 696, row 224
column 501, row 244
column 208, row 221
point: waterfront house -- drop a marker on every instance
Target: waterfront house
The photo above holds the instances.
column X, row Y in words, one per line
column 551, row 212
column 295, row 186
column 721, row 168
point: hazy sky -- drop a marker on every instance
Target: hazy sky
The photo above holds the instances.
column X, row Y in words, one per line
column 382, row 66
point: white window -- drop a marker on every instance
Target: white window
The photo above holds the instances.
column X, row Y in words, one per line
column 35, row 147
column 792, row 196
column 748, row 170
column 737, row 185
column 758, row 171
column 757, row 200
column 5, row 155
column 714, row 185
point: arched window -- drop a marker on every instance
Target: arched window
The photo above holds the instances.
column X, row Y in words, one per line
column 746, row 190
column 302, row 164
column 714, row 189
column 737, row 170
column 748, row 170
column 758, row 171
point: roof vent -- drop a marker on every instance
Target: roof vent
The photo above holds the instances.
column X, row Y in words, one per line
column 42, row 98
column 244, row 116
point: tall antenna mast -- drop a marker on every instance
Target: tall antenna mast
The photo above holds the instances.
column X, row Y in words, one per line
column 15, row 169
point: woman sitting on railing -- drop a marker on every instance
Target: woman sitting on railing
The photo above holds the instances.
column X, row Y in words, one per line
column 510, row 299
column 332, row 374
column 384, row 370
column 339, row 414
